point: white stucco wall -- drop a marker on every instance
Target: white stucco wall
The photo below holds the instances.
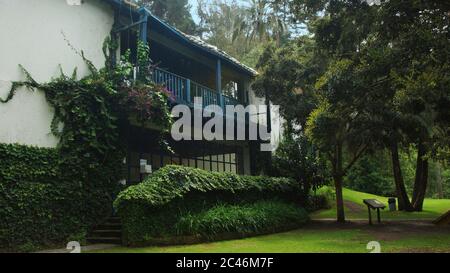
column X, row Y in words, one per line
column 31, row 35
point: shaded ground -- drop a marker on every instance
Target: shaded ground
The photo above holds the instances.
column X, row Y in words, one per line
column 327, row 236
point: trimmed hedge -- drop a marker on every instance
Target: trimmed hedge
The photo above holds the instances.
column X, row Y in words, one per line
column 152, row 209
column 175, row 181
column 39, row 208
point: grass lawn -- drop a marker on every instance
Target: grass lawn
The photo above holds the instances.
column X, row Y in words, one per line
column 355, row 209
column 323, row 237
column 328, row 236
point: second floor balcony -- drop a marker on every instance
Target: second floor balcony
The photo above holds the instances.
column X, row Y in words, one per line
column 185, row 90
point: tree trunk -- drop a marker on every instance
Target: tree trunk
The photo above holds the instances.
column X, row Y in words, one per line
column 439, row 186
column 421, row 180
column 402, row 195
column 339, row 199
column 338, row 183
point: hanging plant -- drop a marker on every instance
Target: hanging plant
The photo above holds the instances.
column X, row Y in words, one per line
column 94, row 112
column 149, row 102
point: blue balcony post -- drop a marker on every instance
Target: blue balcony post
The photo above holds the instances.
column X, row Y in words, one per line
column 143, row 27
column 188, row 90
column 219, row 83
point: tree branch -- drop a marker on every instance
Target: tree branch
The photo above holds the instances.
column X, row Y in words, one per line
column 355, row 158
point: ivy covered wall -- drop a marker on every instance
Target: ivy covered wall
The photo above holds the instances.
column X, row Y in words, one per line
column 39, row 43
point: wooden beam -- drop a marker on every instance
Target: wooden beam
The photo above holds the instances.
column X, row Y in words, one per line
column 184, row 50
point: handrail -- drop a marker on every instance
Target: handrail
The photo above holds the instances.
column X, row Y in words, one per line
column 184, row 90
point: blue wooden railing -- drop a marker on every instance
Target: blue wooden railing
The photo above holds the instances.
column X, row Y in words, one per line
column 184, row 90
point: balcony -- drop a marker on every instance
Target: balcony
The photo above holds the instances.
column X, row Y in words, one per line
column 184, row 90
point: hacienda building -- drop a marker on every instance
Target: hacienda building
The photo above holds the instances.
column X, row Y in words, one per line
column 186, row 65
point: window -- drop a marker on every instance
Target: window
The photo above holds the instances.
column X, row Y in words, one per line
column 217, row 163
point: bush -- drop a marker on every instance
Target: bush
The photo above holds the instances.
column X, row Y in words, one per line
column 38, row 208
column 243, row 219
column 322, row 198
column 153, row 208
column 296, row 158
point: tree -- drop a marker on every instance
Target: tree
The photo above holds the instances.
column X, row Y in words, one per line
column 296, row 157
column 243, row 28
column 340, row 126
column 287, row 78
column 403, row 48
column 419, row 36
column 175, row 12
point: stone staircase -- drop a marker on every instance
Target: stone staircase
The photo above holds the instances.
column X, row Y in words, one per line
column 110, row 232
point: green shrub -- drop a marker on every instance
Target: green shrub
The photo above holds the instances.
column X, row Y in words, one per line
column 321, row 198
column 175, row 181
column 154, row 207
column 244, row 219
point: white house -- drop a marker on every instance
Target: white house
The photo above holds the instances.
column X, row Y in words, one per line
column 43, row 39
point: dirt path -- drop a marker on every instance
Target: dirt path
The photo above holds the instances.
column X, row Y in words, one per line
column 353, row 207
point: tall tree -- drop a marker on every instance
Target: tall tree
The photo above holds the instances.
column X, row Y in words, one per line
column 175, row 12
column 403, row 49
column 419, row 36
column 242, row 28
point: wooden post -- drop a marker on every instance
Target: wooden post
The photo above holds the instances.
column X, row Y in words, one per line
column 378, row 215
column 188, row 90
column 370, row 216
column 143, row 26
column 219, row 82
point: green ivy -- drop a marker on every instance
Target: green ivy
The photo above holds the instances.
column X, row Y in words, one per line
column 153, row 208
column 91, row 117
column 27, row 164
column 34, row 200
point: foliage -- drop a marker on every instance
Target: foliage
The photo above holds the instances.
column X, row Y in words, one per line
column 175, row 12
column 27, row 164
column 152, row 208
column 266, row 216
column 174, row 181
column 287, row 78
column 370, row 175
column 296, row 158
column 35, row 201
column 321, row 198
column 143, row 98
column 91, row 115
column 149, row 103
column 242, row 28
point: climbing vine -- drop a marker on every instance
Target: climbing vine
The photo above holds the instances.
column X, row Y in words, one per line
column 91, row 117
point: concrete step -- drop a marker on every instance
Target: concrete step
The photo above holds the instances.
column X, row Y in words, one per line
column 109, row 226
column 107, row 233
column 104, row 240
column 113, row 220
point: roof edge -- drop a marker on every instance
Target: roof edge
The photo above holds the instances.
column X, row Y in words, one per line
column 193, row 40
